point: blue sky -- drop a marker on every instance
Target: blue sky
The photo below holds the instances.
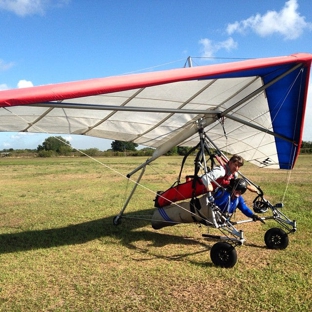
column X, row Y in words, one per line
column 51, row 41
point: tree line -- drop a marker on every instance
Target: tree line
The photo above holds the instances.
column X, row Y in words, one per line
column 58, row 146
column 306, row 147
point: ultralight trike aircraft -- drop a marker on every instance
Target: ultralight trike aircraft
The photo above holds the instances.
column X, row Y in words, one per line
column 186, row 202
column 254, row 108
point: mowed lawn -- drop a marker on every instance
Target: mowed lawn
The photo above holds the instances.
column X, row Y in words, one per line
column 60, row 251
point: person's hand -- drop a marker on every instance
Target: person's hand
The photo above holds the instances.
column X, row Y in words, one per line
column 257, row 218
column 210, row 198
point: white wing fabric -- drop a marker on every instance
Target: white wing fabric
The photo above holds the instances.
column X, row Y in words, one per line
column 254, row 108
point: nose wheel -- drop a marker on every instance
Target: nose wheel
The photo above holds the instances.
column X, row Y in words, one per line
column 276, row 238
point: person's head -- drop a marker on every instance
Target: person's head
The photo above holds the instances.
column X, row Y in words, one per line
column 237, row 187
column 235, row 163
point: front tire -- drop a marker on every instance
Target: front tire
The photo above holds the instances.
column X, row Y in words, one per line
column 276, row 238
column 223, row 255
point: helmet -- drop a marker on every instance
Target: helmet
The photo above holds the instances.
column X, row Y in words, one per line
column 238, row 185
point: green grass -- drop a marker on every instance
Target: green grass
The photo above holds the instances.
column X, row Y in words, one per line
column 60, row 251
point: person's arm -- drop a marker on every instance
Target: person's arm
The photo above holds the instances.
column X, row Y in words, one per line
column 252, row 188
column 214, row 174
column 244, row 208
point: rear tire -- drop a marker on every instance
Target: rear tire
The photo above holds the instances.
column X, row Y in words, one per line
column 223, row 255
column 276, row 238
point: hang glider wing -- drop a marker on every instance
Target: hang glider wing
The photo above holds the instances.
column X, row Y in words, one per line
column 254, row 108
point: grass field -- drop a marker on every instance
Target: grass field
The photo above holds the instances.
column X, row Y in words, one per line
column 60, row 251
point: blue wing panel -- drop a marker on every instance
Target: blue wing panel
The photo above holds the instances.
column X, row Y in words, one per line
column 286, row 103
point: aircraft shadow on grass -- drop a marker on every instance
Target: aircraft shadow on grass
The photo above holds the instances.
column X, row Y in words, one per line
column 126, row 233
column 87, row 231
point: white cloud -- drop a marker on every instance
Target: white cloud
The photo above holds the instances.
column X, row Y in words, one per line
column 3, row 86
column 68, row 138
column 24, row 84
column 209, row 48
column 6, row 145
column 30, row 7
column 21, row 84
column 23, row 7
column 15, row 136
column 287, row 22
column 5, row 66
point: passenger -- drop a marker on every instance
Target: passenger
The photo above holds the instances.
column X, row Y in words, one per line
column 224, row 174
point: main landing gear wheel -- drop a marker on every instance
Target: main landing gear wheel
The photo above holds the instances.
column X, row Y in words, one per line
column 276, row 238
column 223, row 255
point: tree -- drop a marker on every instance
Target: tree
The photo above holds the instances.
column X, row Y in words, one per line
column 183, row 150
column 57, row 145
column 306, row 147
column 122, row 146
column 92, row 151
column 172, row 151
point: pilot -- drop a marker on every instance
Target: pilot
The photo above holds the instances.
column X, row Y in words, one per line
column 230, row 199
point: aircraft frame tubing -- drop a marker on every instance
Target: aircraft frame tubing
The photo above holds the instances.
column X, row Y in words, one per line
column 238, row 234
column 234, row 240
column 281, row 219
column 277, row 216
column 131, row 194
column 224, row 225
